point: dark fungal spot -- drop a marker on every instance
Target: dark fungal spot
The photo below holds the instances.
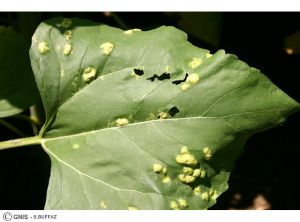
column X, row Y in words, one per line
column 138, row 72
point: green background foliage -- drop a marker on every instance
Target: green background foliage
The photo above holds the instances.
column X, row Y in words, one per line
column 18, row 89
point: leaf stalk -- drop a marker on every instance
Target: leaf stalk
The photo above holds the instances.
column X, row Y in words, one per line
column 20, row 142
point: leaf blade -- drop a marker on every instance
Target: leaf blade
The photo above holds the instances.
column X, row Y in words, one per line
column 127, row 122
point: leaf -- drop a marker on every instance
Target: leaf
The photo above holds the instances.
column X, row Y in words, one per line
column 18, row 90
column 130, row 115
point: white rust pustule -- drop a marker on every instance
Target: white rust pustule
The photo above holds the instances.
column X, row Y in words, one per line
column 122, row 122
column 43, row 47
column 193, row 78
column 103, row 205
column 157, row 168
column 182, row 203
column 174, row 205
column 67, row 49
column 185, row 157
column 164, row 170
column 195, row 62
column 187, row 170
column 185, row 86
column 163, row 115
column 214, row 194
column 132, row 208
column 208, row 55
column 107, row 48
column 131, row 31
column 184, row 149
column 166, row 179
column 186, row 178
column 68, row 35
column 89, row 74
column 197, row 190
column 205, row 196
column 75, row 146
column 207, row 153
column 196, row 172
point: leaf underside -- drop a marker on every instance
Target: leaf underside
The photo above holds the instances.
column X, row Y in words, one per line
column 121, row 106
column 18, row 89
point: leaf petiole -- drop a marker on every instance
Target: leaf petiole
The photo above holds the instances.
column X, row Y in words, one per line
column 20, row 142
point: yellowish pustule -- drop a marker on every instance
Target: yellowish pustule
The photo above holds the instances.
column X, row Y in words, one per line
column 166, row 179
column 202, row 173
column 182, row 203
column 66, row 23
column 34, row 38
column 164, row 170
column 62, row 73
column 196, row 172
column 103, row 205
column 157, row 168
column 163, row 115
column 122, row 122
column 197, row 190
column 89, row 74
column 173, row 205
column 207, row 153
column 186, row 178
column 67, row 49
column 208, row 55
column 75, row 146
column 186, row 158
column 193, row 78
column 204, row 196
column 107, row 47
column 130, row 31
column 43, row 47
column 68, row 35
column 214, row 195
column 167, row 68
column 152, row 116
column 132, row 208
column 195, row 62
column 185, row 86
column 187, row 170
column 184, row 149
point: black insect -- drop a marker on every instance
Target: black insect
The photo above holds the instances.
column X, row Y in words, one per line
column 176, row 82
column 138, row 72
column 162, row 77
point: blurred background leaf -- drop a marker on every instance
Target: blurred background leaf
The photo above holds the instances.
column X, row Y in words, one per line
column 292, row 43
column 17, row 86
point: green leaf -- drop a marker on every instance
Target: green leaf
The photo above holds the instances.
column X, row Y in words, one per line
column 125, row 129
column 18, row 90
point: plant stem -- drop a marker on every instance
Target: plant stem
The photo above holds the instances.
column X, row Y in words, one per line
column 36, row 114
column 29, row 119
column 20, row 142
column 12, row 128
